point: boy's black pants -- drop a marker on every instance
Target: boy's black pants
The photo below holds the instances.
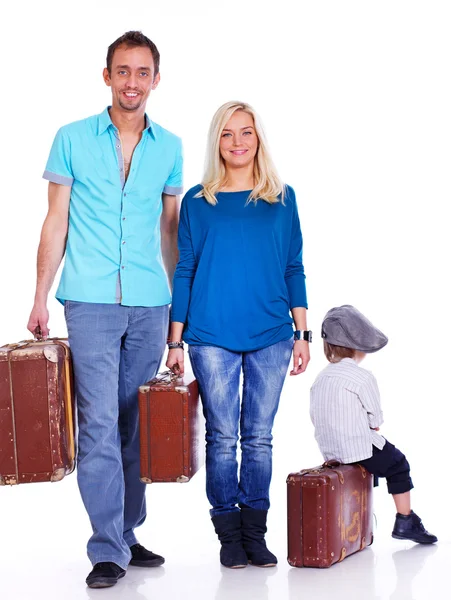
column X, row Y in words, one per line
column 391, row 464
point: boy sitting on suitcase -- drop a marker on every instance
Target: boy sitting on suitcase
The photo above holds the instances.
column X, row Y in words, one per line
column 345, row 410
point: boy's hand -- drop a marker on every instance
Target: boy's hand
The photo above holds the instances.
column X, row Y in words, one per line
column 301, row 357
column 38, row 322
column 176, row 361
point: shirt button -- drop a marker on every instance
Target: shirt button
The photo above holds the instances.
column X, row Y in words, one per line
column 123, row 218
column 125, row 194
column 122, row 267
column 123, row 242
column 118, row 145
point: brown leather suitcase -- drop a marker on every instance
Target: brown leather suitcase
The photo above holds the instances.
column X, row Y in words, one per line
column 36, row 412
column 171, row 428
column 330, row 514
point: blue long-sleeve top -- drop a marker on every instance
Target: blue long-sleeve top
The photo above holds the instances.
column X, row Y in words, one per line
column 240, row 270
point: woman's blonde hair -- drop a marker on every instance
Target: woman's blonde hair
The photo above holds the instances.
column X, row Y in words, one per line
column 267, row 184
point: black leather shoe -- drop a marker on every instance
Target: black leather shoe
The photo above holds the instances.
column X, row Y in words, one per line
column 144, row 558
column 410, row 527
column 104, row 574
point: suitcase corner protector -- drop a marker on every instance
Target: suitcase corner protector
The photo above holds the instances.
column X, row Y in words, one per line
column 181, row 389
column 144, row 389
column 58, row 474
column 293, row 562
column 145, row 479
column 8, row 480
column 51, row 354
column 182, row 479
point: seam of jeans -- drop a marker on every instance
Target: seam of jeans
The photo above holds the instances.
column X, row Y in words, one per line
column 118, row 560
column 126, row 391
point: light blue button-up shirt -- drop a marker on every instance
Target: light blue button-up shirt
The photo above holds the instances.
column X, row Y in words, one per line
column 113, row 250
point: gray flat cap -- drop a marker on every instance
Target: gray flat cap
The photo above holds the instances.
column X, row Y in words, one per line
column 346, row 326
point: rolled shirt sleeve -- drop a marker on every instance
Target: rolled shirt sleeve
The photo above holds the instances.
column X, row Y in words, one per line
column 294, row 272
column 185, row 271
column 174, row 183
column 58, row 168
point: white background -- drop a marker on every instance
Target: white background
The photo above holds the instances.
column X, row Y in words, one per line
column 356, row 98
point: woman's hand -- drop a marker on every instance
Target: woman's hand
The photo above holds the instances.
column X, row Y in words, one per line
column 176, row 361
column 301, row 357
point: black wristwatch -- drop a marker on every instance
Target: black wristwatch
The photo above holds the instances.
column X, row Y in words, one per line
column 303, row 335
column 172, row 345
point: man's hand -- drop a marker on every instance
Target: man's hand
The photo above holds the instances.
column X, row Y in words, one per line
column 301, row 357
column 38, row 321
column 176, row 361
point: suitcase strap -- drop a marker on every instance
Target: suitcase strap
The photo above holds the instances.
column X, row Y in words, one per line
column 68, row 386
column 13, row 415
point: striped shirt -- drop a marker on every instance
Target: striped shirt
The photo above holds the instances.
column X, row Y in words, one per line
column 345, row 408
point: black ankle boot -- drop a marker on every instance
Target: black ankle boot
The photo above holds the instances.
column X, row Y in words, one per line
column 253, row 529
column 410, row 527
column 228, row 528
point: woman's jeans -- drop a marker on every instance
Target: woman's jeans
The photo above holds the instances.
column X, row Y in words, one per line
column 115, row 349
column 218, row 374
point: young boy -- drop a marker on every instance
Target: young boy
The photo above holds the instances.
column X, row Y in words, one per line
column 345, row 410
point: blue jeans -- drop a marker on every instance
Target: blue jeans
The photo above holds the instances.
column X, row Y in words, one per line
column 115, row 349
column 218, row 374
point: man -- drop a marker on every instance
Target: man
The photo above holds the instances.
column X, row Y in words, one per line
column 113, row 209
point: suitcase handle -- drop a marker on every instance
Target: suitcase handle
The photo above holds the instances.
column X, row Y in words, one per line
column 168, row 376
column 329, row 464
column 25, row 343
column 165, row 378
column 334, row 464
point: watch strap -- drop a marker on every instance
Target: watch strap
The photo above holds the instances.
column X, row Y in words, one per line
column 303, row 334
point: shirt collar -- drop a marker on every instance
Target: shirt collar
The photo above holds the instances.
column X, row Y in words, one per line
column 104, row 121
column 348, row 360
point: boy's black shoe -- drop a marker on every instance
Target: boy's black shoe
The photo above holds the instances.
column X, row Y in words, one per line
column 410, row 527
column 104, row 574
column 144, row 558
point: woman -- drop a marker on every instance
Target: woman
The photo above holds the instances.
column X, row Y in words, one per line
column 239, row 274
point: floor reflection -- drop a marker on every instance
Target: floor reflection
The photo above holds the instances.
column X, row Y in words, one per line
column 127, row 588
column 250, row 582
column 353, row 578
column 408, row 563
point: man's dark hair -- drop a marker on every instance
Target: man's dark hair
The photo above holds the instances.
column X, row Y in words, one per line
column 133, row 39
